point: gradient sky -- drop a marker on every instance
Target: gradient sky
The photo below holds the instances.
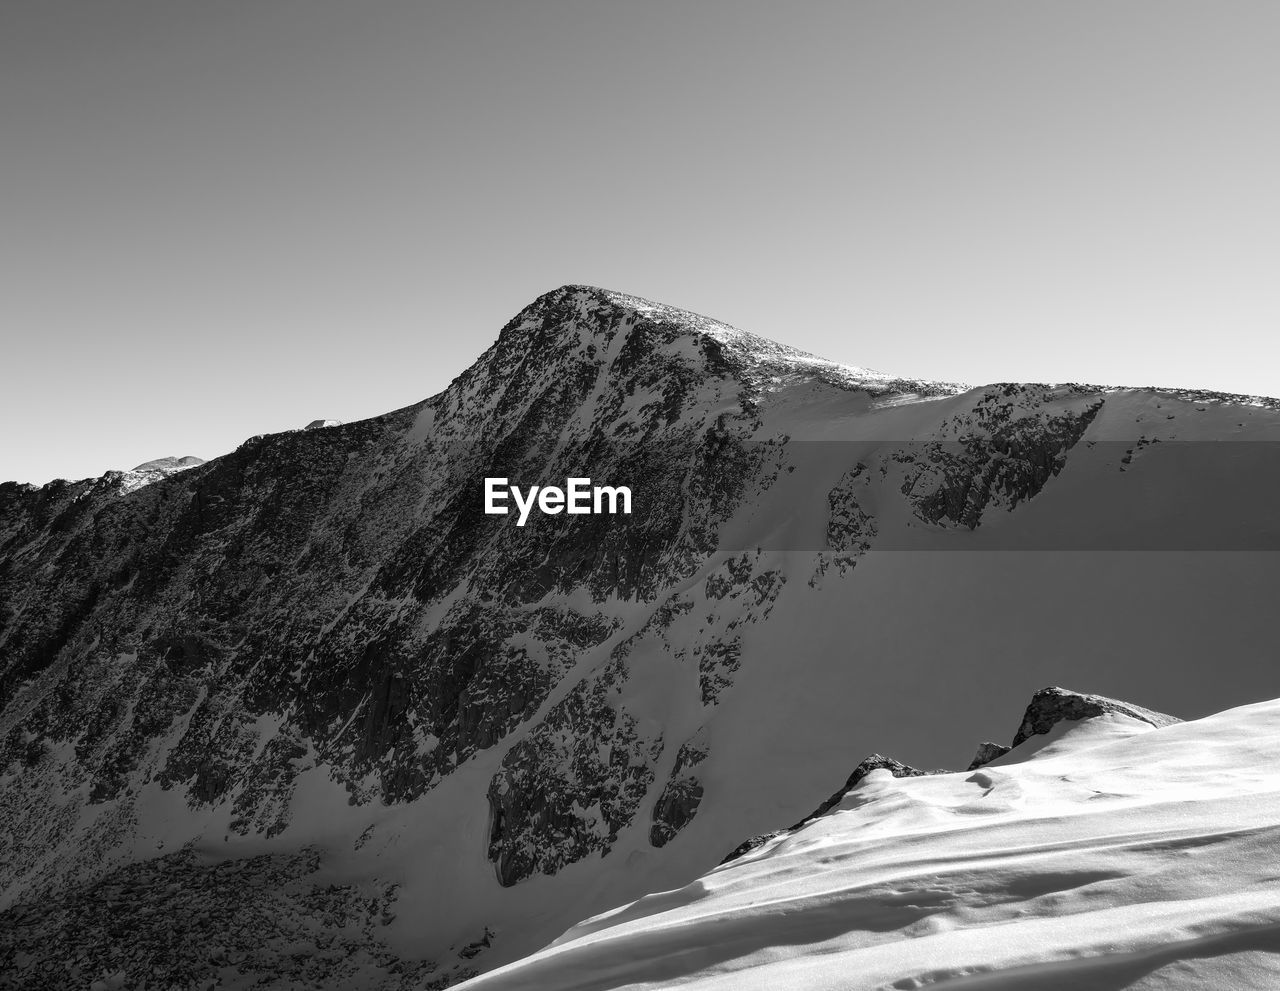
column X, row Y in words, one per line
column 223, row 218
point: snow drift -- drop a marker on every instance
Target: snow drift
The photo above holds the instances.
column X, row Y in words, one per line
column 1116, row 855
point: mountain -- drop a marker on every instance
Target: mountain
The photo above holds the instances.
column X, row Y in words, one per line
column 153, row 471
column 307, row 714
column 1126, row 850
column 170, row 464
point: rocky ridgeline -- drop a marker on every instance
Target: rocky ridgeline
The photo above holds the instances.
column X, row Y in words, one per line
column 1051, row 706
column 1047, row 708
column 336, row 598
column 218, row 630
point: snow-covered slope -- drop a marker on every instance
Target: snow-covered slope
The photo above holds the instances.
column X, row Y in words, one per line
column 452, row 738
column 1114, row 855
column 153, row 471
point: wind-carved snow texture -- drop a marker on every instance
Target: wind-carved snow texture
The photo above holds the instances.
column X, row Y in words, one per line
column 874, row 762
column 1129, row 850
column 320, row 642
column 1047, row 709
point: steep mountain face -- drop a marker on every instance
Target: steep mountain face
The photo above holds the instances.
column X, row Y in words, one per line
column 1129, row 850
column 318, row 653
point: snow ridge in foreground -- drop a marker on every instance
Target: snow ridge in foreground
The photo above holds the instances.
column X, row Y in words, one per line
column 1118, row 855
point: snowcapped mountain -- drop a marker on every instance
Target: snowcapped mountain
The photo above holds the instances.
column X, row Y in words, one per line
column 306, row 713
column 152, row 471
column 1125, row 849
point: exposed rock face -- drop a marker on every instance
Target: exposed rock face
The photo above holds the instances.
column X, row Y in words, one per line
column 336, row 597
column 170, row 921
column 737, row 593
column 274, row 604
column 330, row 611
column 986, row 753
column 1003, row 453
column 850, row 529
column 679, row 801
column 1050, row 706
column 568, row 788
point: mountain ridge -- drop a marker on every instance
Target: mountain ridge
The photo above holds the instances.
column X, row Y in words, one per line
column 318, row 648
column 1048, row 709
column 1127, row 855
column 754, row 353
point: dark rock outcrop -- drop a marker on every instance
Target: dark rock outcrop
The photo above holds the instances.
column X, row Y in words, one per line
column 679, row 801
column 1003, row 452
column 986, row 753
column 875, row 762
column 178, row 921
column 569, row 787
column 1052, row 705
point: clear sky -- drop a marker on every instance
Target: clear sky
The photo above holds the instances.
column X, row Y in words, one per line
column 222, row 218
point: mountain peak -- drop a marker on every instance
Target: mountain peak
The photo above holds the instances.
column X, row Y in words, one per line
column 1052, row 705
column 577, row 313
column 170, row 464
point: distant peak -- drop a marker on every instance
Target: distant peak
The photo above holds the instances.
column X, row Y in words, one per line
column 319, row 424
column 764, row 361
column 588, row 298
column 170, row 464
column 151, row 471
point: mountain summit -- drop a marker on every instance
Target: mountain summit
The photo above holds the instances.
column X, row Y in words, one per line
column 314, row 695
column 606, row 315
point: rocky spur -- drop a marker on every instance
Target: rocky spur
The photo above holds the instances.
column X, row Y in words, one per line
column 578, row 497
